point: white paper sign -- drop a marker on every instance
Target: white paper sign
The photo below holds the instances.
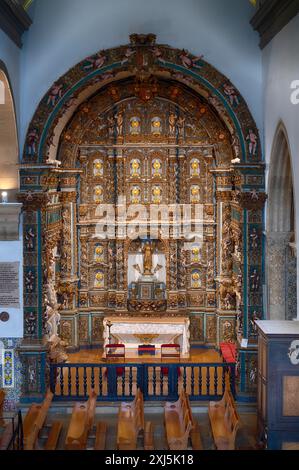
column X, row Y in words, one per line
column 9, row 285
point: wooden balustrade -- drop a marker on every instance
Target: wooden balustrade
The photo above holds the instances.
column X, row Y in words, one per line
column 119, row 381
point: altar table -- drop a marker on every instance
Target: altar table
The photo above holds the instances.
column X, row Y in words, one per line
column 138, row 330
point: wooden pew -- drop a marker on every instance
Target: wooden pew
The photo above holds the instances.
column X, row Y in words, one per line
column 2, row 397
column 53, row 437
column 101, row 432
column 224, row 420
column 178, row 422
column 196, row 437
column 81, row 423
column 130, row 423
column 34, row 421
column 148, row 436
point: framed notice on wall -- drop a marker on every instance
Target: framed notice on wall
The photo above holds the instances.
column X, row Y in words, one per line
column 9, row 285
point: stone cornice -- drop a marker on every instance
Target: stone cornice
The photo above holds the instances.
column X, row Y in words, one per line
column 9, row 221
column 14, row 20
column 271, row 17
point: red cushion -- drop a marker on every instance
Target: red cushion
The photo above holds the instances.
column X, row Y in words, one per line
column 228, row 351
column 119, row 372
column 164, row 371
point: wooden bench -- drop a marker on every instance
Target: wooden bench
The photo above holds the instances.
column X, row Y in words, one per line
column 81, row 423
column 148, row 436
column 196, row 437
column 130, row 423
column 178, row 422
column 53, row 437
column 101, row 432
column 2, row 397
column 34, row 421
column 224, row 421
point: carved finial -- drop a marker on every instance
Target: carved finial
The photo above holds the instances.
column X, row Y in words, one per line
column 142, row 39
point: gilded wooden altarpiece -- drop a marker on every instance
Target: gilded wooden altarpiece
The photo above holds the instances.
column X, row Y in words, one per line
column 154, row 126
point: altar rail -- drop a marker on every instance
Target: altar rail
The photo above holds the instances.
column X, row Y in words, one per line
column 119, row 381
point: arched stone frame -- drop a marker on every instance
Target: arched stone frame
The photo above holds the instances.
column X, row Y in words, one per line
column 70, row 90
column 239, row 184
column 9, row 147
column 281, row 232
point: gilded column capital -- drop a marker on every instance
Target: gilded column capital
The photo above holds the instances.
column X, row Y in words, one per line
column 250, row 200
column 33, row 201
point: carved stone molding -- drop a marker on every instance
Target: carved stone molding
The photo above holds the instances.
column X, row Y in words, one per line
column 272, row 16
column 14, row 20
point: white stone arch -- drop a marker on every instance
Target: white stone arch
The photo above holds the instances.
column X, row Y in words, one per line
column 9, row 155
column 281, row 262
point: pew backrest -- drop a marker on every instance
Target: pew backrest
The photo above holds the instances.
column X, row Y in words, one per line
column 178, row 422
column 91, row 407
column 34, row 421
column 81, row 423
column 225, row 421
column 130, row 422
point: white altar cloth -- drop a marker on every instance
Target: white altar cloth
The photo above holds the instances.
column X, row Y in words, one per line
column 129, row 331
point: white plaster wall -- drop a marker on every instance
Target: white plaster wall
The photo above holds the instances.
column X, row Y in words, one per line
column 66, row 31
column 280, row 69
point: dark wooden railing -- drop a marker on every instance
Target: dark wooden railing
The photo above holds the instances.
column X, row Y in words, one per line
column 116, row 382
